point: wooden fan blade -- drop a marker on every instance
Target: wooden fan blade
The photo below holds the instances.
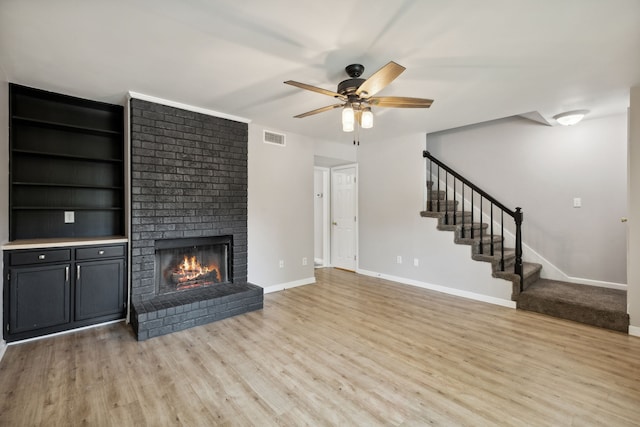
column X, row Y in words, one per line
column 319, row 110
column 400, row 102
column 379, row 80
column 316, row 89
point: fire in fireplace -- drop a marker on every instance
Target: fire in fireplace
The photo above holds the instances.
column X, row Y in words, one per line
column 183, row 264
column 191, row 274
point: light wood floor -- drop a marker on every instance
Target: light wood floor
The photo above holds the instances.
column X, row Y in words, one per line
column 349, row 350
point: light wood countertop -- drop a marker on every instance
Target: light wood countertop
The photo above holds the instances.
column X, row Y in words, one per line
column 62, row 242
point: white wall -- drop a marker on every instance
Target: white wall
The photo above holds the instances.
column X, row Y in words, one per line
column 329, row 154
column 391, row 193
column 633, row 267
column 280, row 223
column 541, row 169
column 4, row 178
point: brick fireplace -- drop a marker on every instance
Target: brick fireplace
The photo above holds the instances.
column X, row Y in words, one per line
column 188, row 190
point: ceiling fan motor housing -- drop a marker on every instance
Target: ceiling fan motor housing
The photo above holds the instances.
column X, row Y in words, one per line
column 349, row 86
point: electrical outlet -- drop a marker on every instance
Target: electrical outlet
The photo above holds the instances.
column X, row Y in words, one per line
column 305, row 261
column 69, row 217
column 416, row 262
column 281, row 263
column 399, row 259
column 577, row 202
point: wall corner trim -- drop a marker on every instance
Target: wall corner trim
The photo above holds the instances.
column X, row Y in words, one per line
column 283, row 286
column 634, row 331
column 3, row 348
column 442, row 289
column 149, row 98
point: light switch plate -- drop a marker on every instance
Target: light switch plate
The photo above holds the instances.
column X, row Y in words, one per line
column 69, row 217
column 577, row 202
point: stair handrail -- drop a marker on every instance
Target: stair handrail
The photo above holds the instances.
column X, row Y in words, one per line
column 516, row 213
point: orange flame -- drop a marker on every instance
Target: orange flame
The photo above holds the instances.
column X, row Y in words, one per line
column 191, row 269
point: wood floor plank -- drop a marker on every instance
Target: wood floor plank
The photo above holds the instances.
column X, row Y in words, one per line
column 348, row 350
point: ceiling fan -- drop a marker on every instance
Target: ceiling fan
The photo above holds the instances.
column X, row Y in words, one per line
column 357, row 95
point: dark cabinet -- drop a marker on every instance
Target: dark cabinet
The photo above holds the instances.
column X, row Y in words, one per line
column 99, row 288
column 56, row 289
column 39, row 297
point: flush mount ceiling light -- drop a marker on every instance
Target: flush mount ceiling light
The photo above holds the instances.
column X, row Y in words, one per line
column 570, row 117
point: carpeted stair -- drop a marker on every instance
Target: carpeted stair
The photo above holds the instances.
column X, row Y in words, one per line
column 597, row 306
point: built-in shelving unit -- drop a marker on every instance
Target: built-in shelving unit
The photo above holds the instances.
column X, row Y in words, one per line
column 66, row 155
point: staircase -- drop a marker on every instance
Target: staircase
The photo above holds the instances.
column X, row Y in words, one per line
column 592, row 305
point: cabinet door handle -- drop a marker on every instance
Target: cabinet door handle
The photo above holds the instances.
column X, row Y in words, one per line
column 41, row 256
column 100, row 252
column 78, row 272
column 66, row 273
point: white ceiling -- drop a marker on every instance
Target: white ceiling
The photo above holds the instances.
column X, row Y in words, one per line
column 479, row 60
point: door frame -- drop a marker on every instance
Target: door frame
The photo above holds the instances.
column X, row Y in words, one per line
column 357, row 215
column 326, row 216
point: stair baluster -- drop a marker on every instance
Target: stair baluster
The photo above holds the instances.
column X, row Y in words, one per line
column 502, row 247
column 491, row 222
column 455, row 202
column 462, row 210
column 446, row 197
column 481, row 242
column 438, row 181
column 472, row 213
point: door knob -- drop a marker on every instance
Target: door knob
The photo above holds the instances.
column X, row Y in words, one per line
column 623, row 219
column 334, row 223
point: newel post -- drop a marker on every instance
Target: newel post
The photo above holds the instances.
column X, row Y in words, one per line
column 518, row 266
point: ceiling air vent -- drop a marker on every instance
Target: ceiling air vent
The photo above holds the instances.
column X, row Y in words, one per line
column 274, row 138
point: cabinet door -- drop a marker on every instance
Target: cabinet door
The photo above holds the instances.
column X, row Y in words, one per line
column 39, row 297
column 99, row 289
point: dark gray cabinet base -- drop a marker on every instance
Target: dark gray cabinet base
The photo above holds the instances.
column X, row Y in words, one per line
column 99, row 289
column 39, row 297
column 56, row 289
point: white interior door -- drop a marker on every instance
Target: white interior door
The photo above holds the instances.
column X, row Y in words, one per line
column 344, row 207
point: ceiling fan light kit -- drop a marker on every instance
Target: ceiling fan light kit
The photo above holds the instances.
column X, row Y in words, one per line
column 366, row 120
column 357, row 96
column 348, row 118
column 570, row 118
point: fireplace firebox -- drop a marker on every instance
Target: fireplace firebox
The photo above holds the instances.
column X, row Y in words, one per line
column 183, row 264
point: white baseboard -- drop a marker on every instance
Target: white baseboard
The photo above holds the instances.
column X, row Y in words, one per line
column 634, row 330
column 442, row 289
column 600, row 283
column 288, row 285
